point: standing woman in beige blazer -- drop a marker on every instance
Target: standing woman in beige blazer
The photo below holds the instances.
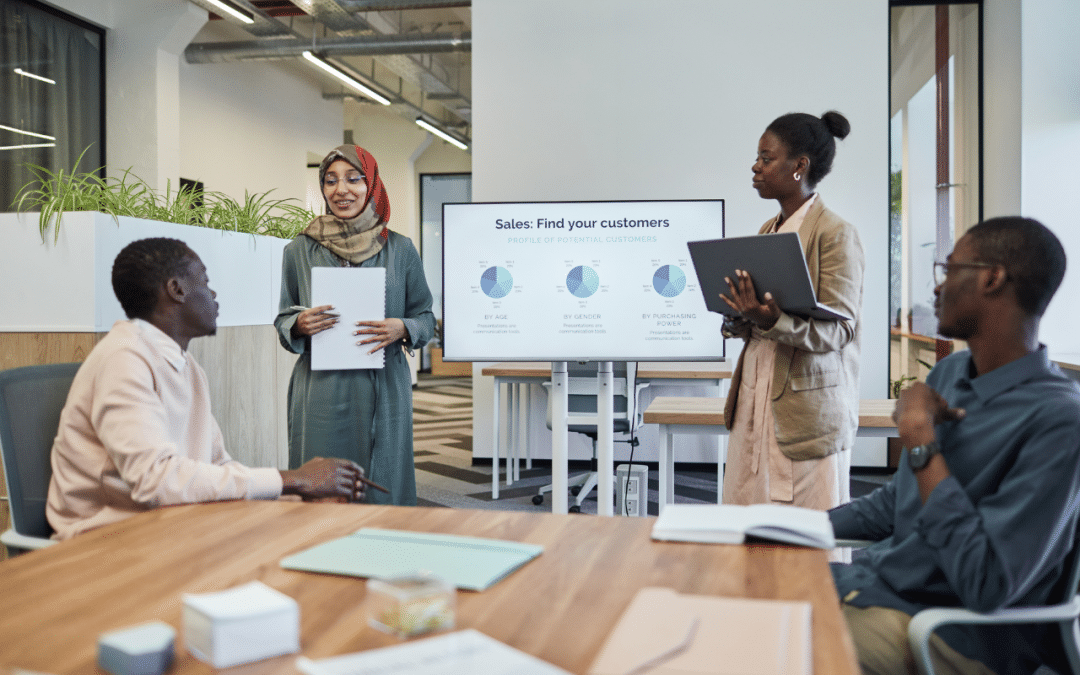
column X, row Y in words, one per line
column 794, row 402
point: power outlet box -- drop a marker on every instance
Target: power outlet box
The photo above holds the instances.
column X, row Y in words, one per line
column 632, row 490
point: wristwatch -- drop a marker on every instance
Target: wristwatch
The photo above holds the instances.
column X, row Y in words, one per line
column 920, row 455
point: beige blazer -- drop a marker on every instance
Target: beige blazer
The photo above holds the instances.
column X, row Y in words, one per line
column 815, row 386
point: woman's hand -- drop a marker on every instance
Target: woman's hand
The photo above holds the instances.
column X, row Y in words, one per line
column 383, row 333
column 744, row 301
column 314, row 320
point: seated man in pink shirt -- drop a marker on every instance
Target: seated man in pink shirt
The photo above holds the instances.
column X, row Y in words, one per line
column 136, row 432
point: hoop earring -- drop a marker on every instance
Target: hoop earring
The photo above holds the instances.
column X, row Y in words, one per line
column 797, row 176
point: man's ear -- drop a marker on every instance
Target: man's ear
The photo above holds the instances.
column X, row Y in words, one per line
column 995, row 280
column 175, row 290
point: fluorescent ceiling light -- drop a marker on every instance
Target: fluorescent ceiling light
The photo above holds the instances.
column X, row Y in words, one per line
column 28, row 145
column 341, row 75
column 20, row 71
column 232, row 11
column 28, row 133
column 440, row 133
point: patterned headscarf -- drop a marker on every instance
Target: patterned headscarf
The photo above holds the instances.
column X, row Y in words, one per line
column 357, row 239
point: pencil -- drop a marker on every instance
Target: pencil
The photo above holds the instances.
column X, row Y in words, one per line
column 373, row 484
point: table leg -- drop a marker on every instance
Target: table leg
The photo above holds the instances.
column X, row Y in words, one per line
column 511, row 446
column 528, row 416
column 559, row 438
column 495, row 442
column 667, row 467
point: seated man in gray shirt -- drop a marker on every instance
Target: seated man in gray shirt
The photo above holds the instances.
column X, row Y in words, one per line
column 982, row 512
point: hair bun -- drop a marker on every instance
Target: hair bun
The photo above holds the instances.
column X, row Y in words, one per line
column 837, row 124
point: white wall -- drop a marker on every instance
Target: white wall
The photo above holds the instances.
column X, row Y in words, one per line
column 1050, row 146
column 250, row 125
column 635, row 100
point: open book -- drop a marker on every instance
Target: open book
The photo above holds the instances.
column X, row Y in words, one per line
column 731, row 524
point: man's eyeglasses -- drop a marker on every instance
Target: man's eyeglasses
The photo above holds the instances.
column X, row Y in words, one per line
column 941, row 269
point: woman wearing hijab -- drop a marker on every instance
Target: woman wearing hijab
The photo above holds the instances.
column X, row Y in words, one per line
column 794, row 403
column 362, row 415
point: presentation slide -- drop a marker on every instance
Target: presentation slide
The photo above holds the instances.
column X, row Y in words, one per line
column 585, row 281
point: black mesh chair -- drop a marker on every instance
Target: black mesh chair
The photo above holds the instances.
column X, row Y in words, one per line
column 31, row 399
column 582, row 391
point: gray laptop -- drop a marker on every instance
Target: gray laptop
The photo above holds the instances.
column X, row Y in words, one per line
column 775, row 263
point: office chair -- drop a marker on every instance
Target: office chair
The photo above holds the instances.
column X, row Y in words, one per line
column 31, row 399
column 1066, row 614
column 582, row 391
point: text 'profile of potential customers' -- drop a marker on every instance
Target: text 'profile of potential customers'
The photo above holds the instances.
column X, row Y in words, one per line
column 561, row 281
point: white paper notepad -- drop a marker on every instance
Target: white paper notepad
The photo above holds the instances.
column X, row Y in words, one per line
column 357, row 294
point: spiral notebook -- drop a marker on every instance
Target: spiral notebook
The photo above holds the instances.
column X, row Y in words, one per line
column 357, row 294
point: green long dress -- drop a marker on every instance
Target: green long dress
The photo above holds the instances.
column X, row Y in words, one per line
column 362, row 415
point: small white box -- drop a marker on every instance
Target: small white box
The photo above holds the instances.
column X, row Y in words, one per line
column 242, row 624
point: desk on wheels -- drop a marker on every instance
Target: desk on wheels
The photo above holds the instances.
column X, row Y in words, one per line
column 529, row 373
column 705, row 416
column 559, row 607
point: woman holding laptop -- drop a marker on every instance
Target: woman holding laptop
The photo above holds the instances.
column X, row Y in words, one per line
column 794, row 399
column 364, row 415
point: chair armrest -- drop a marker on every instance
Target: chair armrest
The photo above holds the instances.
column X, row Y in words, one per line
column 21, row 541
column 924, row 623
column 854, row 543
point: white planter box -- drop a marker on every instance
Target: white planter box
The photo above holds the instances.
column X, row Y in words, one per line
column 66, row 286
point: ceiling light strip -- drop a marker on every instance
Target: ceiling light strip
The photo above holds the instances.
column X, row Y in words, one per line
column 440, row 133
column 232, row 11
column 28, row 145
column 341, row 75
column 25, row 73
column 27, row 133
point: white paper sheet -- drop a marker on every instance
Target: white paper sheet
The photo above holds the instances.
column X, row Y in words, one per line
column 357, row 294
column 463, row 652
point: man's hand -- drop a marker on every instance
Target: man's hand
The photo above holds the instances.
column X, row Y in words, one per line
column 919, row 409
column 744, row 301
column 325, row 477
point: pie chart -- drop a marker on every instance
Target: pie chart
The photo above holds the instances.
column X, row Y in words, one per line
column 582, row 281
column 496, row 282
column 669, row 281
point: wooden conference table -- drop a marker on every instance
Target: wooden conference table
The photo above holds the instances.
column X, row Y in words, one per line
column 704, row 415
column 559, row 607
column 693, row 373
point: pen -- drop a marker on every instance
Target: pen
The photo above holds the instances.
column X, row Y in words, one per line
column 373, row 484
column 301, row 308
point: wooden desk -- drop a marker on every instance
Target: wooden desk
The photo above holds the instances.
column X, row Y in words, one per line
column 559, row 607
column 528, row 373
column 701, row 415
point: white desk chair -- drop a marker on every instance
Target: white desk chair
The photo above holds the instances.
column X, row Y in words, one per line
column 1066, row 615
column 582, row 392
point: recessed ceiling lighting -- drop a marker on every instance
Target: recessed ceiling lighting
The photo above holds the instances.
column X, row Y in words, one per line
column 344, row 77
column 440, row 133
column 27, row 133
column 28, row 145
column 20, row 71
column 232, row 11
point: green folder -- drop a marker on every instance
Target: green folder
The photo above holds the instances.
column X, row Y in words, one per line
column 469, row 563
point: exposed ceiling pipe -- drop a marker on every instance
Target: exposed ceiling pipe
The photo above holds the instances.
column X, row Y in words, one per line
column 367, row 45
column 393, row 5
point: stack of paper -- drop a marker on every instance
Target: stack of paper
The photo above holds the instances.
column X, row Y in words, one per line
column 731, row 524
column 242, row 624
column 666, row 633
column 465, row 651
column 470, row 563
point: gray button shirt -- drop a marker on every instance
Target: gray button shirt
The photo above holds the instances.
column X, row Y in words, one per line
column 994, row 534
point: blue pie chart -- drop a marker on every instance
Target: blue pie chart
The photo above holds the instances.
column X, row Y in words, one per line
column 582, row 281
column 669, row 281
column 496, row 282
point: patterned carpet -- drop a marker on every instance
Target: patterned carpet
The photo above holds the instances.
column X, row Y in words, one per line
column 446, row 475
